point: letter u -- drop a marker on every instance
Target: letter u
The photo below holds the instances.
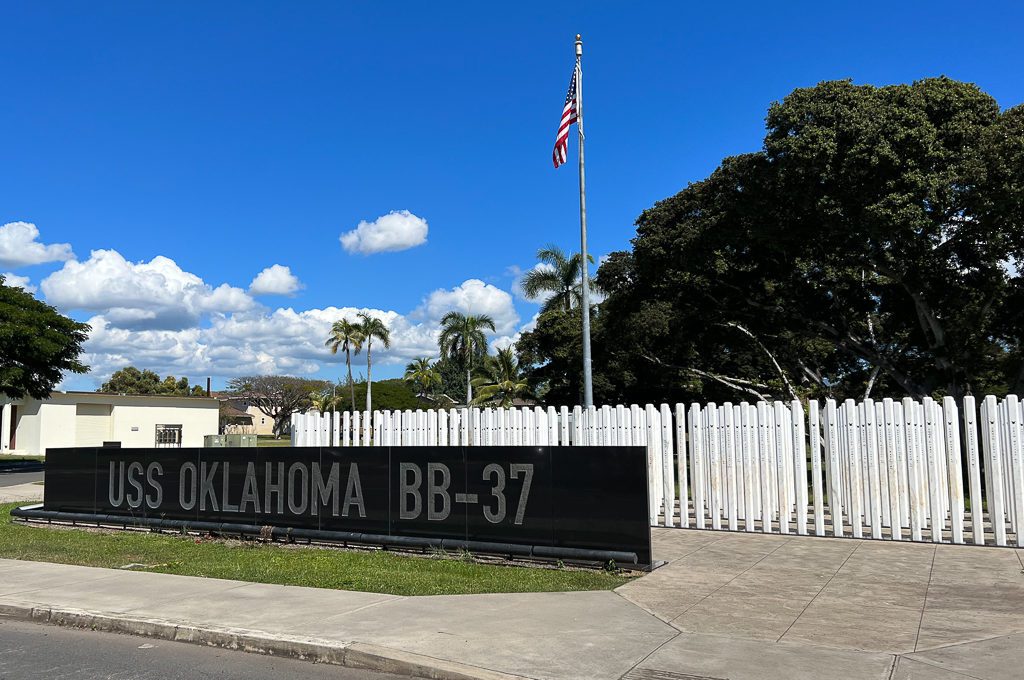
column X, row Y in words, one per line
column 116, row 499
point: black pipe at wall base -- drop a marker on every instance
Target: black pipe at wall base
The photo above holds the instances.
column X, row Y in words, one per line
column 488, row 548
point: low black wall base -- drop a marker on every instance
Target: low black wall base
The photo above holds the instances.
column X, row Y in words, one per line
column 540, row 552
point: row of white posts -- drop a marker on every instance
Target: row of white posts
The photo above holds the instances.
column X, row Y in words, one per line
column 899, row 470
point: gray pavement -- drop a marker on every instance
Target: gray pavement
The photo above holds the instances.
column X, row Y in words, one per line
column 15, row 478
column 29, row 651
column 727, row 605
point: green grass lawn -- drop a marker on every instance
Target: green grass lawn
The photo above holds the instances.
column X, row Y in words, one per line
column 372, row 571
column 264, row 440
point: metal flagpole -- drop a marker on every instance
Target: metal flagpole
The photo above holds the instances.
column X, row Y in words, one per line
column 588, row 387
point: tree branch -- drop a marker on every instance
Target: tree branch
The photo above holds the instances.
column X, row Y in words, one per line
column 738, row 384
column 778, row 368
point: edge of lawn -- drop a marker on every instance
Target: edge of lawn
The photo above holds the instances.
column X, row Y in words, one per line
column 376, row 571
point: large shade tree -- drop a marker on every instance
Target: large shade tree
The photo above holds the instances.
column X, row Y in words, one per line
column 38, row 345
column 874, row 243
column 131, row 380
column 462, row 338
column 277, row 396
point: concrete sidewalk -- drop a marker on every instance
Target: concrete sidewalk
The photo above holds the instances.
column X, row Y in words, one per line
column 21, row 492
column 733, row 606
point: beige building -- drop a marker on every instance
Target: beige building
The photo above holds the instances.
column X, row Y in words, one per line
column 257, row 422
column 66, row 419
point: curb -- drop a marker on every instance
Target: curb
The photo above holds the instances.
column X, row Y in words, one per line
column 350, row 654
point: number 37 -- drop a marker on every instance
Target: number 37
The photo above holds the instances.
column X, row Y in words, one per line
column 495, row 473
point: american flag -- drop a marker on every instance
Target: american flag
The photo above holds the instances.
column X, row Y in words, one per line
column 570, row 115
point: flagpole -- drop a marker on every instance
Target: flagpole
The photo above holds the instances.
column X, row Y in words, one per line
column 588, row 387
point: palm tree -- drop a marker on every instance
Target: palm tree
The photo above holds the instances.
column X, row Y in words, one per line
column 324, row 401
column 347, row 337
column 423, row 375
column 372, row 327
column 498, row 380
column 561, row 276
column 462, row 336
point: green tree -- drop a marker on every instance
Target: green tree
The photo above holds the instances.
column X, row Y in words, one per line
column 394, row 394
column 324, row 400
column 348, row 337
column 424, row 375
column 277, row 396
column 453, row 378
column 131, row 380
column 370, row 328
column 499, row 381
column 560, row 278
column 864, row 248
column 462, row 336
column 38, row 345
column 551, row 358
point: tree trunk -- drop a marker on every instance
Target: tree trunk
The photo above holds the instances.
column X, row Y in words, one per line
column 351, row 385
column 467, row 349
column 279, row 422
column 369, row 382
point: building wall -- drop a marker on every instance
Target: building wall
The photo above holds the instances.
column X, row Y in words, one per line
column 57, row 425
column 53, row 423
column 261, row 422
column 135, row 423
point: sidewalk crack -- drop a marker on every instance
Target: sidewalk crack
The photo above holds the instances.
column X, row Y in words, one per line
column 820, row 590
column 924, row 607
column 776, row 549
column 944, row 668
column 650, row 654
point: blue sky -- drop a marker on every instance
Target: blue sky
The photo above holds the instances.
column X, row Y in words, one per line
column 180, row 149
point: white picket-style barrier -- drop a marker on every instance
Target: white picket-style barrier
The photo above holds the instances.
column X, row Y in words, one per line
column 897, row 470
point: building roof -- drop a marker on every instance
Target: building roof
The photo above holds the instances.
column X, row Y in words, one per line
column 73, row 395
column 232, row 413
column 123, row 394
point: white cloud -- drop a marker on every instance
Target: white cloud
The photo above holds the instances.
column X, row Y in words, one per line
column 471, row 297
column 283, row 341
column 19, row 247
column 510, row 340
column 398, row 230
column 146, row 295
column 16, row 281
column 517, row 282
column 275, row 280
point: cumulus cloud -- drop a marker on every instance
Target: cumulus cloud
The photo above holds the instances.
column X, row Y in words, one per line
column 503, row 341
column 275, row 280
column 471, row 297
column 398, row 230
column 19, row 247
column 284, row 340
column 518, row 273
column 145, row 295
column 16, row 281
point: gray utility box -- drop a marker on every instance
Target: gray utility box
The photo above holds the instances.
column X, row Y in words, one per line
column 241, row 440
column 215, row 441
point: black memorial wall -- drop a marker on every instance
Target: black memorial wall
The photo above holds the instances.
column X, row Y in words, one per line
column 586, row 498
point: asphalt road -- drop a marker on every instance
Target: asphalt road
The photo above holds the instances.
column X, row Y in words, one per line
column 14, row 478
column 32, row 651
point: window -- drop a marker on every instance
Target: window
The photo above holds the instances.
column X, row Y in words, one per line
column 168, row 436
